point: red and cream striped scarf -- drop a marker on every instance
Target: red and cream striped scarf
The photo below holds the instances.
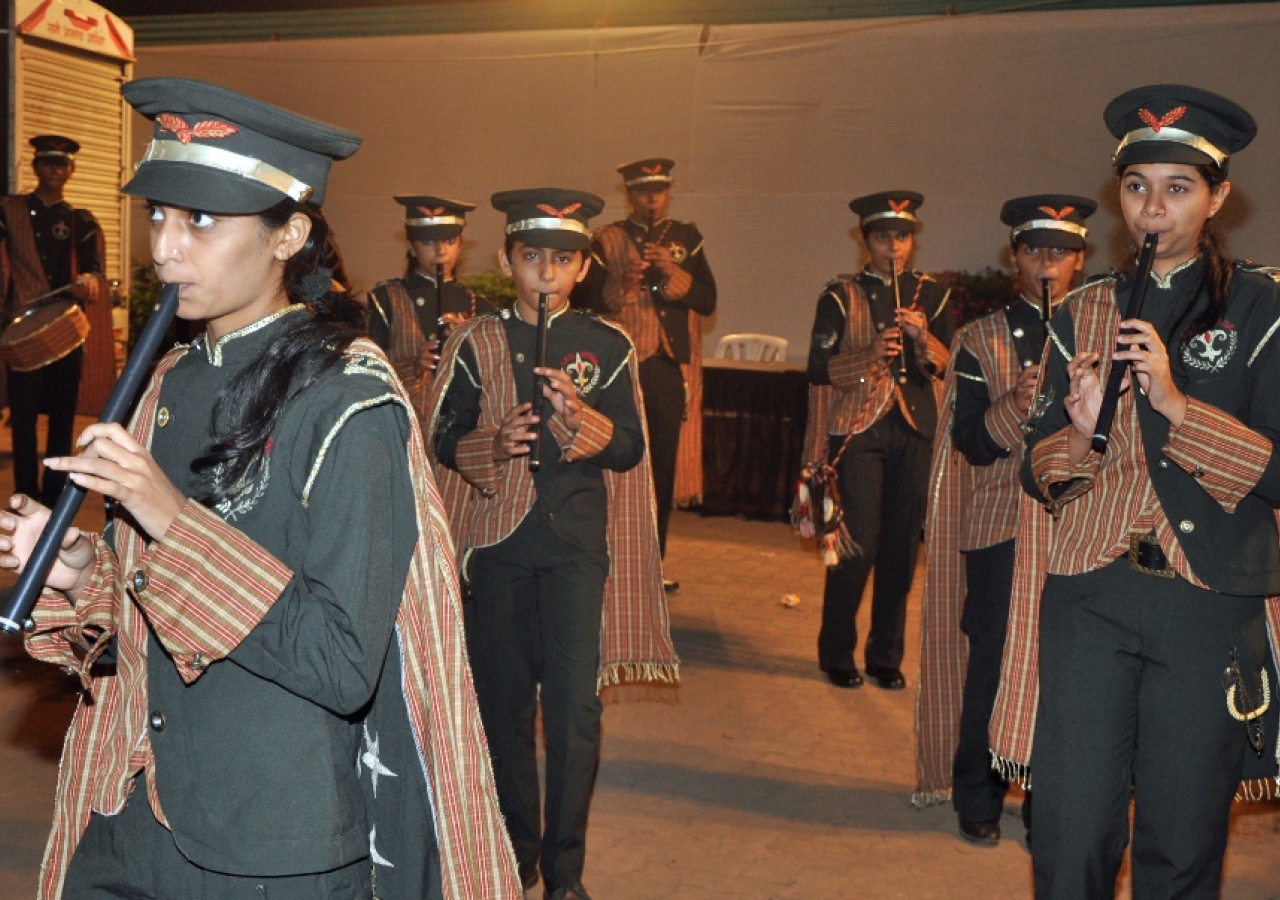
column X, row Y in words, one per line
column 944, row 650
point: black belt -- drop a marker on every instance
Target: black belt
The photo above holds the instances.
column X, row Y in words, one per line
column 1147, row 557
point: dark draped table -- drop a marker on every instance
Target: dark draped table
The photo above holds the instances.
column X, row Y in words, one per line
column 753, row 417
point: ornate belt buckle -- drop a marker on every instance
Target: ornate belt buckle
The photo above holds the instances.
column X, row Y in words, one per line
column 1136, row 540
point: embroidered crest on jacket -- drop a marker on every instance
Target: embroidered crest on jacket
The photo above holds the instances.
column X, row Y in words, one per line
column 1211, row 350
column 583, row 367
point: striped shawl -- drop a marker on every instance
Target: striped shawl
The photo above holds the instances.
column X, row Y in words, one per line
column 103, row 750
column 944, row 650
column 635, row 636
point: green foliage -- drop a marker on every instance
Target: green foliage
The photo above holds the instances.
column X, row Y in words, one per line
column 495, row 287
column 975, row 294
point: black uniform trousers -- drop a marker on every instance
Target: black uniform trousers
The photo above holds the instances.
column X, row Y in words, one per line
column 664, row 404
column 1132, row 698
column 52, row 390
column 883, row 478
column 534, row 619
column 131, row 856
column 977, row 789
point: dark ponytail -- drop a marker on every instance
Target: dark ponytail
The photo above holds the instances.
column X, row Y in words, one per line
column 1215, row 279
column 248, row 407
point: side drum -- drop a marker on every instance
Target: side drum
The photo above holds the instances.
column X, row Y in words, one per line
column 43, row 335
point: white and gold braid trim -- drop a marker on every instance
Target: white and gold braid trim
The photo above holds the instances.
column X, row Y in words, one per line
column 549, row 223
column 1175, row 136
column 226, row 161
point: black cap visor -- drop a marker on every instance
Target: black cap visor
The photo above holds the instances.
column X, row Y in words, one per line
column 1163, row 152
column 199, row 187
column 1050, row 237
column 428, row 233
column 892, row 223
column 555, row 238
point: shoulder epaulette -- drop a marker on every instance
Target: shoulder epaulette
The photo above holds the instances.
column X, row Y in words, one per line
column 1246, row 265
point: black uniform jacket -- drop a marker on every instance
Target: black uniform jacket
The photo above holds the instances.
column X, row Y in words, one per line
column 256, row 760
column 913, row 287
column 571, row 496
column 1235, row 367
column 422, row 290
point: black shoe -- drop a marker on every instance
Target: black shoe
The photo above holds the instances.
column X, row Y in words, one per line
column 572, row 892
column 845, row 678
column 670, row 586
column 982, row 834
column 888, row 679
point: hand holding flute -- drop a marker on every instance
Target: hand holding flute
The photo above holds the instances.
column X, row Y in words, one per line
column 116, row 464
column 1123, row 353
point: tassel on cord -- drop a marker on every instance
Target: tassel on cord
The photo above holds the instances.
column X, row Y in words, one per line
column 1013, row 772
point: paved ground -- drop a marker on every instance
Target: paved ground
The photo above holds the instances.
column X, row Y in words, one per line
column 754, row 779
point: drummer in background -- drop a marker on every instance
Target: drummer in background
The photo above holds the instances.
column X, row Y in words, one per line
column 45, row 244
column 409, row 317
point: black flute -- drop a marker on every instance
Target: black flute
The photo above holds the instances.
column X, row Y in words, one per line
column 440, row 325
column 1046, row 301
column 902, row 337
column 1107, row 411
column 16, row 614
column 539, row 361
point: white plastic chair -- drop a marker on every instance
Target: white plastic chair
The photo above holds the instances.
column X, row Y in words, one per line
column 756, row 347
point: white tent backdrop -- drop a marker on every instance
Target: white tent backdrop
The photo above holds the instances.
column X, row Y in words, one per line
column 773, row 127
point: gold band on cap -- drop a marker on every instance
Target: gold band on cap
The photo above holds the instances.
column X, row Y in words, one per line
column 226, row 161
column 1052, row 225
column 550, row 223
column 1176, row 136
column 891, row 214
column 61, row 154
column 424, row 221
column 646, row 179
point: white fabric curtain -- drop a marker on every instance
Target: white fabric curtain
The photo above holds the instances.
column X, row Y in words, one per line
column 773, row 127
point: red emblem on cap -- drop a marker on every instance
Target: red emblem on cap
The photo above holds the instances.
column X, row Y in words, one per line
column 651, row 170
column 59, row 144
column 431, row 213
column 1050, row 211
column 1168, row 118
column 209, row 128
column 900, row 206
column 559, row 213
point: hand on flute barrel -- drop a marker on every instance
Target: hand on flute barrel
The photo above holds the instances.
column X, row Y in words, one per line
column 558, row 388
column 1024, row 389
column 887, row 344
column 913, row 323
column 1150, row 360
column 660, row 257
column 20, row 528
column 112, row 463
column 515, row 433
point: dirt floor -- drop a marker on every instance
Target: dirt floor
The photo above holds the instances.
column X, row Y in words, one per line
column 753, row 779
